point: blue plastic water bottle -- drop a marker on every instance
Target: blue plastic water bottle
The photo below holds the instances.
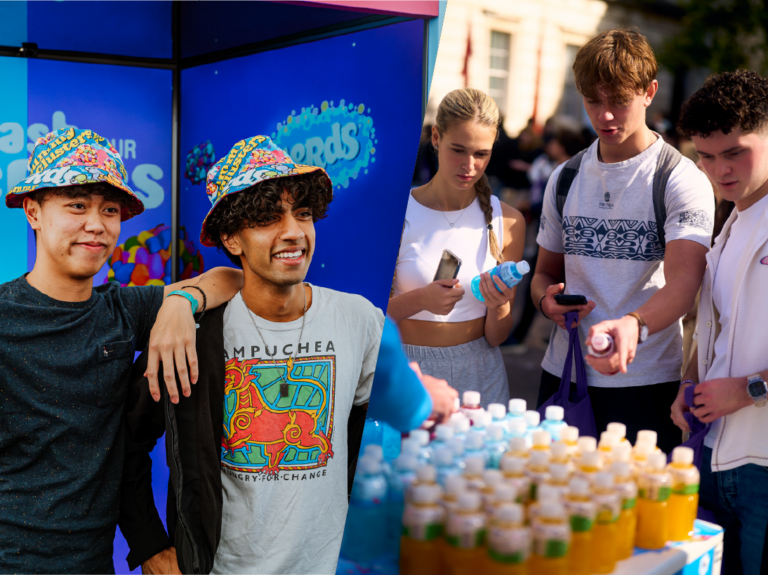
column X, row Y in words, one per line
column 532, row 419
column 554, row 423
column 498, row 413
column 474, row 445
column 509, row 272
column 517, row 409
column 365, row 531
column 443, row 434
column 421, row 436
column 445, row 464
column 403, row 476
column 495, row 445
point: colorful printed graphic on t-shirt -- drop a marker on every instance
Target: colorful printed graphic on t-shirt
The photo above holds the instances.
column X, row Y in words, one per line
column 611, row 239
column 266, row 431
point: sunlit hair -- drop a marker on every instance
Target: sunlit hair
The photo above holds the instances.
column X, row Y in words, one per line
column 470, row 105
column 619, row 62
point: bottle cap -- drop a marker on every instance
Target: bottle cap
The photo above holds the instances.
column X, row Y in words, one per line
column 600, row 342
column 539, row 458
column 517, row 427
column 621, row 452
column 504, row 492
column 682, row 455
column 542, row 439
column 569, row 434
column 619, row 428
column 425, row 493
column 554, row 413
column 517, row 406
column 532, row 418
column 475, row 440
column 497, row 411
column 410, row 446
column 406, row 462
column 590, row 459
column 443, row 456
column 495, row 432
column 559, row 450
column 426, row 473
column 518, row 444
column 512, row 464
column 375, row 451
column 608, row 440
column 474, row 465
column 552, row 510
column 522, row 267
column 482, row 419
column 493, row 477
column 443, row 432
column 603, row 480
column 559, row 471
column 620, row 469
column 657, row 461
column 509, row 513
column 579, row 486
column 421, row 436
column 643, row 449
column 587, row 444
column 471, row 398
column 460, row 423
column 457, row 446
column 455, row 484
column 456, row 404
column 647, row 435
column 546, row 492
column 469, row 501
column 368, row 465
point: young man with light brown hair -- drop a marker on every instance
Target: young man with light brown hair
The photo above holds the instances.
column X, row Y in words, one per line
column 626, row 223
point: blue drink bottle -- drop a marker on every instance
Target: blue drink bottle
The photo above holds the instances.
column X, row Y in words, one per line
column 509, row 272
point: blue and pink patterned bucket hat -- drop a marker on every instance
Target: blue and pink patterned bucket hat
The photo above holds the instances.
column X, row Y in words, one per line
column 74, row 157
column 248, row 163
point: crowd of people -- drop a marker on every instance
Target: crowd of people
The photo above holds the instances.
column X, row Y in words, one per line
column 627, row 221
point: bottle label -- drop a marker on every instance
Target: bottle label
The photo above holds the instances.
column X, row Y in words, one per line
column 465, row 531
column 629, row 503
column 655, row 492
column 423, row 523
column 551, row 540
column 683, row 489
column 608, row 508
column 582, row 515
column 580, row 524
column 509, row 545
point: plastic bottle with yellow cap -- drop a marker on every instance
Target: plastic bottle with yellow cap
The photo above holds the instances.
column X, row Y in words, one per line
column 422, row 527
column 654, row 489
column 581, row 511
column 588, row 465
column 684, row 500
column 551, row 540
column 513, row 469
column 465, row 535
column 608, row 508
column 627, row 524
column 537, row 470
column 509, row 542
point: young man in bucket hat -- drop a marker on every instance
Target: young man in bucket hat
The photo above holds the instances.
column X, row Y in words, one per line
column 258, row 454
column 66, row 351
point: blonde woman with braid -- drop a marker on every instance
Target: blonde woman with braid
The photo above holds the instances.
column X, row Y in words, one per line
column 445, row 329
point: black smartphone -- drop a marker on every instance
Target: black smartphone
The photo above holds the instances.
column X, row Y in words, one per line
column 570, row 299
column 449, row 266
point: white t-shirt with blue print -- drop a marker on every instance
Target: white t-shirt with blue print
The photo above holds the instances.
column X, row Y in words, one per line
column 612, row 254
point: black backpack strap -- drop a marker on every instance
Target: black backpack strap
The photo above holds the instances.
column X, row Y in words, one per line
column 564, row 181
column 669, row 158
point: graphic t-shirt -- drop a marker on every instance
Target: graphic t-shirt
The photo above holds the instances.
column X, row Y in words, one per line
column 63, row 382
column 284, row 445
column 736, row 247
column 612, row 251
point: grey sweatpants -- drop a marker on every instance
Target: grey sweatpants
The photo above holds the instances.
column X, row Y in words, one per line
column 473, row 366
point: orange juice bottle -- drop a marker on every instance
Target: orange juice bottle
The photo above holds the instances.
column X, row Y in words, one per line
column 545, row 493
column 640, row 454
column 608, row 508
column 581, row 511
column 588, row 465
column 561, row 456
column 684, row 501
column 627, row 523
column 542, row 441
column 454, row 486
column 648, row 436
column 551, row 540
column 570, row 437
column 585, row 444
column 537, row 470
column 621, row 430
column 425, row 475
column 653, row 504
column 517, row 448
column 513, row 469
column 503, row 493
column 558, row 478
column 465, row 535
column 492, row 478
column 608, row 440
column 509, row 542
column 473, row 472
column 422, row 526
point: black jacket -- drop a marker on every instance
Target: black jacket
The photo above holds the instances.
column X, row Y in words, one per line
column 193, row 449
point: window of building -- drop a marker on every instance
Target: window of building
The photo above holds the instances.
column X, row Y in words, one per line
column 499, row 68
column 571, row 104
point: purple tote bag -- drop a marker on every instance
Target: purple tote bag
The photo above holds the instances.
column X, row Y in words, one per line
column 578, row 413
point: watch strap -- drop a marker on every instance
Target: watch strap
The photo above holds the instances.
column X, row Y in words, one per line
column 640, row 325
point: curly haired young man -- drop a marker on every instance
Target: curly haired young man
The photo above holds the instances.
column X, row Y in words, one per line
column 727, row 120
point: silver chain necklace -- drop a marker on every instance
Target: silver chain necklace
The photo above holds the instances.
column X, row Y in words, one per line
column 451, row 223
column 284, row 385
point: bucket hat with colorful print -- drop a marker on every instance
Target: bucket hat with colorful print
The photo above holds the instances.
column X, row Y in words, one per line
column 74, row 157
column 248, row 163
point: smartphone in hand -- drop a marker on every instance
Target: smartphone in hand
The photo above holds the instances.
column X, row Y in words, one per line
column 570, row 299
column 449, row 265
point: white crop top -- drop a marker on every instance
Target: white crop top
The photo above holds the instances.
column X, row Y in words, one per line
column 427, row 233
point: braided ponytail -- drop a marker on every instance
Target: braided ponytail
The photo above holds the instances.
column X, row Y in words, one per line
column 483, row 191
column 469, row 104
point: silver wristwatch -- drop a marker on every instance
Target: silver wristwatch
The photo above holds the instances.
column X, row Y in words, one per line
column 757, row 389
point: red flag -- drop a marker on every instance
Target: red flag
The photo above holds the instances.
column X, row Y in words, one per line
column 465, row 70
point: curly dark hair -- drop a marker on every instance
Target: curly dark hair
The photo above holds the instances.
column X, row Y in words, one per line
column 724, row 102
column 255, row 206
